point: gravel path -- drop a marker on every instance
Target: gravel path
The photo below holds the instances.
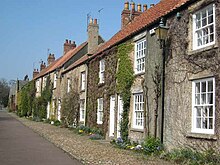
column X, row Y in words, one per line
column 88, row 151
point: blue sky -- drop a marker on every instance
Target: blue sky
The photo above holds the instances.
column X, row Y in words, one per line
column 28, row 28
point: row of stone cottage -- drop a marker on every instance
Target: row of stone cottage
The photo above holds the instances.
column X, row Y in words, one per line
column 180, row 107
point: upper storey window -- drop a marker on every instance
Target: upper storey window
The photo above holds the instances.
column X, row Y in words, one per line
column 140, row 52
column 204, row 27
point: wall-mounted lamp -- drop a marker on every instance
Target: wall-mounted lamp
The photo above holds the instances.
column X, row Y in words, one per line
column 161, row 33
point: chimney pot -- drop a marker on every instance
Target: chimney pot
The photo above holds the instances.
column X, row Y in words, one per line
column 145, row 7
column 69, row 41
column 139, row 7
column 132, row 6
column 152, row 5
column 66, row 40
column 126, row 6
column 95, row 21
column 91, row 21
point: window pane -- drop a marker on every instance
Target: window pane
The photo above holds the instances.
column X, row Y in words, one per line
column 210, row 98
column 203, row 86
column 198, row 112
column 197, row 99
column 198, row 123
column 204, row 22
column 210, row 86
column 210, row 112
column 203, row 14
column 203, row 99
column 210, row 123
column 197, row 87
column 210, row 19
column 204, row 123
column 210, row 11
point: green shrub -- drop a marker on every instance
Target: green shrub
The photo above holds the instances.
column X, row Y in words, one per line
column 152, row 145
column 57, row 123
column 191, row 157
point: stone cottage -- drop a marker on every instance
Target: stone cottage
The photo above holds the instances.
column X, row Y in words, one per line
column 55, row 68
column 74, row 77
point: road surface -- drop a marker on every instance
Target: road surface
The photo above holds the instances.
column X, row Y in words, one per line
column 21, row 146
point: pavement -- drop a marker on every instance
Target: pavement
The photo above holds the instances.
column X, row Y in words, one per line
column 19, row 145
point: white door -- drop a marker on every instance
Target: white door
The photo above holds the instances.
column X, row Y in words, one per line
column 112, row 116
column 48, row 110
column 119, row 115
column 58, row 110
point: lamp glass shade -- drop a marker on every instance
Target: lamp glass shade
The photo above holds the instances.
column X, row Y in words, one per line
column 161, row 32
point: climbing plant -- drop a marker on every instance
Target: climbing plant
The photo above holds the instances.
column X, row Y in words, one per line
column 40, row 103
column 125, row 78
column 26, row 98
column 70, row 106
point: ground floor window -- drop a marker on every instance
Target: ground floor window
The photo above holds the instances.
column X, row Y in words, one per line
column 82, row 110
column 138, row 115
column 100, row 111
column 203, row 106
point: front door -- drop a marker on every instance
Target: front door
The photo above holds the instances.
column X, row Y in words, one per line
column 58, row 110
column 112, row 116
column 119, row 116
column 48, row 110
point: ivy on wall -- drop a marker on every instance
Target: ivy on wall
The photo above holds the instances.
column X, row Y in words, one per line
column 40, row 103
column 71, row 105
column 26, row 99
column 70, row 109
column 125, row 78
column 105, row 90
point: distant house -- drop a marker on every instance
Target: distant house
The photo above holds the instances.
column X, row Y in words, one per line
column 14, row 92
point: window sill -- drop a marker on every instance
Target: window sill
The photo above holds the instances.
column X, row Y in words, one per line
column 139, row 74
column 201, row 136
column 81, row 91
column 101, row 84
column 191, row 52
column 137, row 130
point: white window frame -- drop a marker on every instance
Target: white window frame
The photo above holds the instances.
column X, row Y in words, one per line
column 38, row 85
column 68, row 85
column 102, row 71
column 82, row 110
column 198, row 103
column 55, row 81
column 140, row 55
column 83, row 81
column 100, row 111
column 200, row 30
column 138, row 108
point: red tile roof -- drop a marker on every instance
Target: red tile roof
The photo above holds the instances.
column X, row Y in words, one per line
column 145, row 19
column 62, row 60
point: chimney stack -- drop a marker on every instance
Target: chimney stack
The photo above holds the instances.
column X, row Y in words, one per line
column 93, row 36
column 145, row 7
column 42, row 65
column 129, row 15
column 50, row 59
column 35, row 73
column 68, row 45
